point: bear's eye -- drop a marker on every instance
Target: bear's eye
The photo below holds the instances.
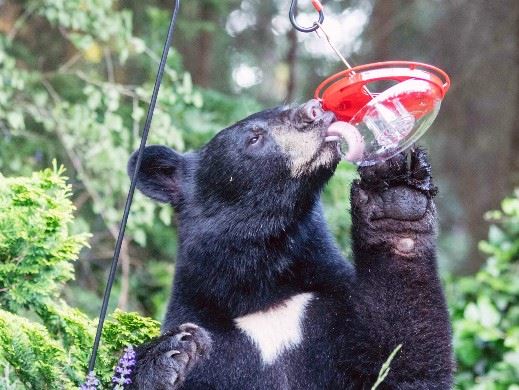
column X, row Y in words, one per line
column 254, row 139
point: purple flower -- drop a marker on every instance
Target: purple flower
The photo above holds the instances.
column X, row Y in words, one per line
column 124, row 369
column 91, row 382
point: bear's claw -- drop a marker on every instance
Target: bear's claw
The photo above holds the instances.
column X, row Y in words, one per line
column 421, row 172
column 398, row 171
column 165, row 362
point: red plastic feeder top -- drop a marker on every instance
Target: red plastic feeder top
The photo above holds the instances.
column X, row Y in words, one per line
column 382, row 108
column 347, row 92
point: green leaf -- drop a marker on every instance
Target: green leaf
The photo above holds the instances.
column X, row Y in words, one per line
column 384, row 371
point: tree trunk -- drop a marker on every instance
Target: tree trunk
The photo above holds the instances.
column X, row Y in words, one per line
column 472, row 137
column 381, row 27
column 197, row 49
column 291, row 61
column 514, row 142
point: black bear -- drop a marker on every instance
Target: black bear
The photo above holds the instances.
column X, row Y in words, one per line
column 262, row 297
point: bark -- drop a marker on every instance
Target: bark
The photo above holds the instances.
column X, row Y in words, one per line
column 9, row 13
column 471, row 138
column 125, row 276
column 514, row 142
column 381, row 27
column 203, row 74
column 291, row 61
column 198, row 48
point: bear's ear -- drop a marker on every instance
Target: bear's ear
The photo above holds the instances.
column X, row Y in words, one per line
column 159, row 176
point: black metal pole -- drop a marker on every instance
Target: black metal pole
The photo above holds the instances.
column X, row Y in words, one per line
column 129, row 199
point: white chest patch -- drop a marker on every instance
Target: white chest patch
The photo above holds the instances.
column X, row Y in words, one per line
column 277, row 329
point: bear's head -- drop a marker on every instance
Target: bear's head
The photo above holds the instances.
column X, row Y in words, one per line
column 266, row 170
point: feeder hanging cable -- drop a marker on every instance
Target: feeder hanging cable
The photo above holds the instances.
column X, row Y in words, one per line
column 318, row 26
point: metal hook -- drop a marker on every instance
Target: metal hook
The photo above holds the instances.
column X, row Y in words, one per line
column 292, row 16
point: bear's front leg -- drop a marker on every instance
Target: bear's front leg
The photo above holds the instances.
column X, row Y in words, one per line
column 400, row 299
column 164, row 363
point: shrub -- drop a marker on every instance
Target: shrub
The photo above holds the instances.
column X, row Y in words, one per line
column 485, row 309
column 44, row 343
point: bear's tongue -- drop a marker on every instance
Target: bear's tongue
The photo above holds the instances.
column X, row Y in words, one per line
column 349, row 137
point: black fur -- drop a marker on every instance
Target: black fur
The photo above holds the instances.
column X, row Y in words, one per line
column 252, row 234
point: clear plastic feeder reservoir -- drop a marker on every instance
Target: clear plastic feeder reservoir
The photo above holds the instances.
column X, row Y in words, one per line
column 382, row 108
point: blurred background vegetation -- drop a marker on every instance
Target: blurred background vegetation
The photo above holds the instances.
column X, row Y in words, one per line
column 76, row 76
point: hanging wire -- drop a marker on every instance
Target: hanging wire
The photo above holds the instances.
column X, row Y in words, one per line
column 129, row 199
column 318, row 27
column 334, row 48
column 341, row 57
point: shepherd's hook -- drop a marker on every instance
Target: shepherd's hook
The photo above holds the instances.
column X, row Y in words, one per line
column 292, row 15
column 131, row 191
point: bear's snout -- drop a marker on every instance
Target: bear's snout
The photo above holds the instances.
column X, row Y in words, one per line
column 312, row 112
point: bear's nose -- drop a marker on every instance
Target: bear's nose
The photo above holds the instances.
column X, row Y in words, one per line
column 311, row 110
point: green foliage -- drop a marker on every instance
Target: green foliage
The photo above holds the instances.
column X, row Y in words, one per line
column 39, row 360
column 485, row 309
column 92, row 119
column 88, row 22
column 35, row 247
column 44, row 342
